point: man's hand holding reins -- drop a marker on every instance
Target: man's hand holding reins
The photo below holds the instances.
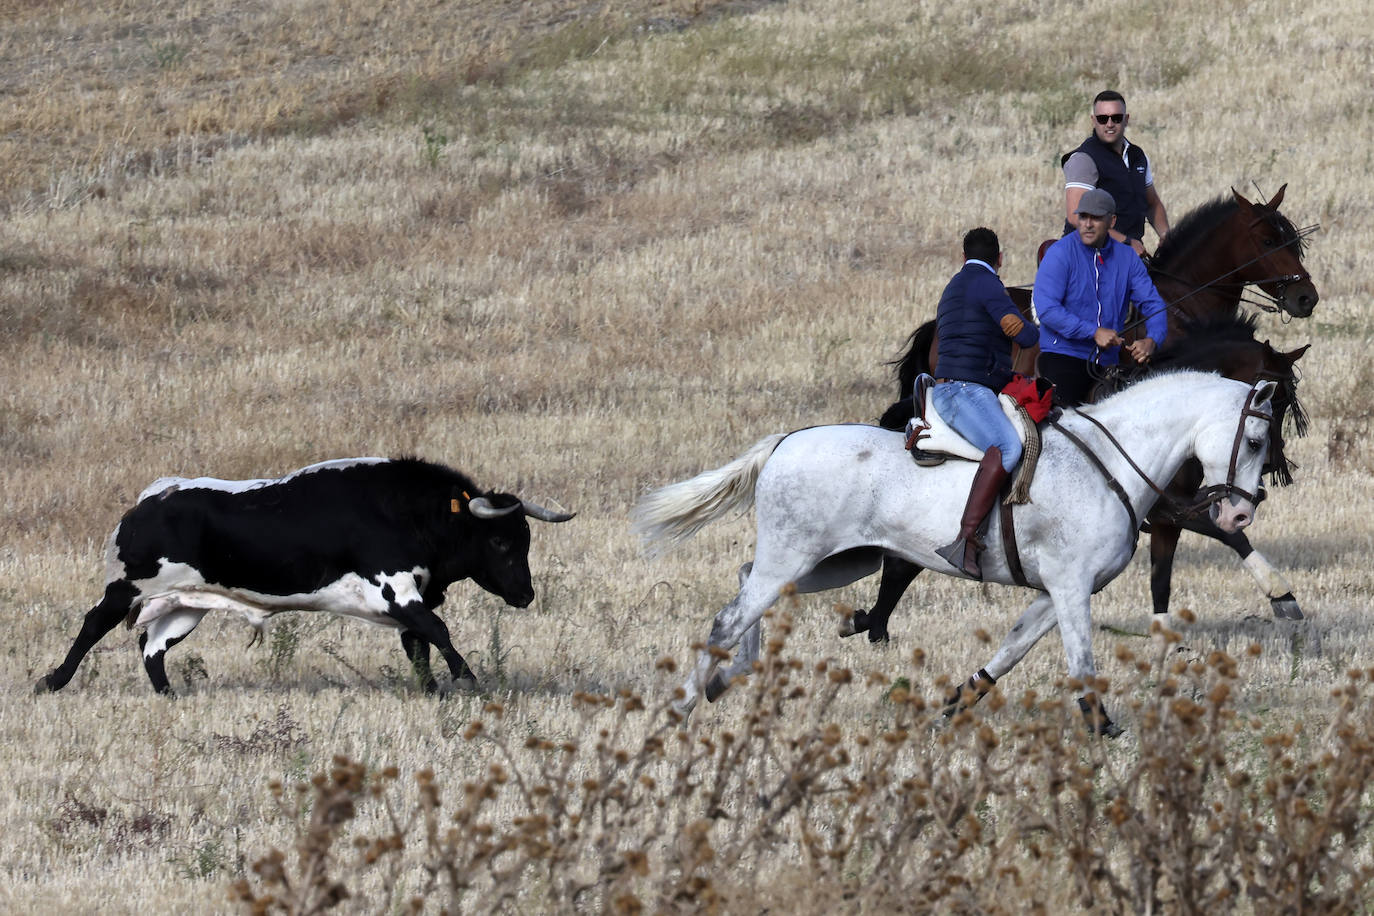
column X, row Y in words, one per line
column 1142, row 349
column 1105, row 338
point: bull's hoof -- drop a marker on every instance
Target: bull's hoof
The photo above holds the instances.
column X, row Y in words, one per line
column 1286, row 607
column 715, row 687
column 41, row 686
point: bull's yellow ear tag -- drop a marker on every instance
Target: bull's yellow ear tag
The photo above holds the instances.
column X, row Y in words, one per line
column 454, row 507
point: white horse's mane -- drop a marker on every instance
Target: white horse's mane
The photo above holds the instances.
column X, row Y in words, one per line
column 1156, row 380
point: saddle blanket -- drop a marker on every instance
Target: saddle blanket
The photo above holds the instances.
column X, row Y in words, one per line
column 932, row 440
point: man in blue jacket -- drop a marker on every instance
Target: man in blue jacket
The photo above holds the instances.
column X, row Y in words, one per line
column 977, row 323
column 1082, row 292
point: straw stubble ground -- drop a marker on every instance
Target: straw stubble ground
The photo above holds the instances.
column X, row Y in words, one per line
column 576, row 252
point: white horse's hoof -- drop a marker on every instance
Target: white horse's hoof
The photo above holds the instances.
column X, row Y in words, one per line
column 715, row 687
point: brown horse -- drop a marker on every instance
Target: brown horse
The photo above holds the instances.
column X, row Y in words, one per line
column 1228, row 347
column 1202, row 269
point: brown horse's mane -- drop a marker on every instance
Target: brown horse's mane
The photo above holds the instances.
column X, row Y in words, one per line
column 1200, row 339
column 1202, row 222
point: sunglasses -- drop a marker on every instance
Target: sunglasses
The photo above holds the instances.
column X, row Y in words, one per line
column 1114, row 118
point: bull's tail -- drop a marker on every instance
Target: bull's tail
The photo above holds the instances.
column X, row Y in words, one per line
column 672, row 514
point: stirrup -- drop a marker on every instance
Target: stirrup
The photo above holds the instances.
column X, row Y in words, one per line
column 960, row 549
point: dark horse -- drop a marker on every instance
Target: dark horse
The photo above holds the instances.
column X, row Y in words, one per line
column 1202, row 269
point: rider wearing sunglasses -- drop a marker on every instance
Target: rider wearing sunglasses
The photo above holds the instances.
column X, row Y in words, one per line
column 1109, row 161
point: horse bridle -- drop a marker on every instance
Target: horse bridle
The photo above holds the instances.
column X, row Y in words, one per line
column 1281, row 280
column 1207, row 496
column 1219, row 491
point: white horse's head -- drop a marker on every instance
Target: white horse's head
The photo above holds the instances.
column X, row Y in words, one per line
column 1232, row 450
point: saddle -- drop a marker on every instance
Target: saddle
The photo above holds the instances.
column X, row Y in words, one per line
column 932, row 441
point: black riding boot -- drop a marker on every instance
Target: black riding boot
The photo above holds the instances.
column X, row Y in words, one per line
column 987, row 483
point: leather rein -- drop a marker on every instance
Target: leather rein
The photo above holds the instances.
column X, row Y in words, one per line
column 1207, row 496
column 1281, row 280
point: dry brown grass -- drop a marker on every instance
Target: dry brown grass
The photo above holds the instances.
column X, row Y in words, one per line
column 576, row 250
column 904, row 812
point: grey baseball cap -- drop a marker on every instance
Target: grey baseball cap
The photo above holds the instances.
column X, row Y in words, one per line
column 1096, row 202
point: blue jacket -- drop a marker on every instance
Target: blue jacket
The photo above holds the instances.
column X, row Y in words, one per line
column 976, row 322
column 1073, row 297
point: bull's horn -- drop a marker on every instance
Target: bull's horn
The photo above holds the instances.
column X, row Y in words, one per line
column 534, row 510
column 482, row 508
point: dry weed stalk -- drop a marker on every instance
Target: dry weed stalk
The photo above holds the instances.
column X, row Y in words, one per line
column 907, row 812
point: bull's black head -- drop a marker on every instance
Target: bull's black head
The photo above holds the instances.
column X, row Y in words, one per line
column 498, row 539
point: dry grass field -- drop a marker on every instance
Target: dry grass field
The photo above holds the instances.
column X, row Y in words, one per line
column 579, row 250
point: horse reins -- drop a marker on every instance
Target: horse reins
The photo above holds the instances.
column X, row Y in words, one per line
column 1009, row 548
column 1208, row 495
column 1282, row 279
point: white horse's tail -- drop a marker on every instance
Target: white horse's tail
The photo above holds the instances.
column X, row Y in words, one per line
column 674, row 513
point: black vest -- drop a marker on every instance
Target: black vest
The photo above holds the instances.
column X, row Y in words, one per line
column 1126, row 184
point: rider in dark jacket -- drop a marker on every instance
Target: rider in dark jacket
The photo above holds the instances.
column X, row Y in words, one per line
column 977, row 322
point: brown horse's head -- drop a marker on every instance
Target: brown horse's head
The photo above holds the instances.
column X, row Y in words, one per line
column 1210, row 256
column 1271, row 250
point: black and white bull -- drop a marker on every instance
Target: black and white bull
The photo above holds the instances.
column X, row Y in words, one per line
column 373, row 538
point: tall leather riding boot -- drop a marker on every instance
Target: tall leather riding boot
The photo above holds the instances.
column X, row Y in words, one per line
column 987, row 483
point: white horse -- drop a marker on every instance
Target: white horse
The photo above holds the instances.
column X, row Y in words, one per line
column 832, row 500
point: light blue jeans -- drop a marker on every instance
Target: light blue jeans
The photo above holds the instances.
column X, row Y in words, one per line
column 973, row 411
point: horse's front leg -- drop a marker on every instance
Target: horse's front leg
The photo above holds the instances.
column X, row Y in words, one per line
column 1271, row 582
column 1035, row 622
column 1072, row 606
column 1163, row 546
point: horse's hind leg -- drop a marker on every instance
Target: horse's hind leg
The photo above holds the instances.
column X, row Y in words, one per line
column 897, row 576
column 732, row 623
column 1271, row 582
column 743, row 663
column 100, row 620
